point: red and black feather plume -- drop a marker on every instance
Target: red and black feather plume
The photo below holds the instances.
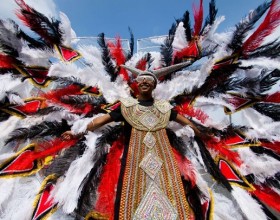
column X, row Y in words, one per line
column 47, row 29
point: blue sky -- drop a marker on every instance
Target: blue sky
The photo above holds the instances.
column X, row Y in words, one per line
column 146, row 17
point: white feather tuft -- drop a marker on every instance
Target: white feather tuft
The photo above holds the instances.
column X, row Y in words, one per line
column 67, row 191
column 224, row 208
column 251, row 209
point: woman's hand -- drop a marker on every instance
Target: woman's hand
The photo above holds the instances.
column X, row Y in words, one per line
column 68, row 135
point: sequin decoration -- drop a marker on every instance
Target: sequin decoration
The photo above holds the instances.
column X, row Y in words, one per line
column 151, row 164
column 149, row 140
column 128, row 102
column 155, row 206
column 163, row 106
column 149, row 120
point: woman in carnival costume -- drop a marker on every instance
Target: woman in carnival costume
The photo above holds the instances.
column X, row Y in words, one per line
column 138, row 163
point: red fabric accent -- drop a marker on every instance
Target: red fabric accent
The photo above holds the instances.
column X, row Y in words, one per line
column 38, row 75
column 186, row 109
column 26, row 161
column 198, row 18
column 275, row 98
column 268, row 196
column 93, row 90
column 220, row 148
column 228, row 171
column 118, row 54
column 269, row 24
column 238, row 102
column 109, row 179
column 191, row 51
column 45, row 203
column 68, row 54
column 275, row 146
column 185, row 167
column 234, row 140
column 6, row 62
column 29, row 108
column 18, row 165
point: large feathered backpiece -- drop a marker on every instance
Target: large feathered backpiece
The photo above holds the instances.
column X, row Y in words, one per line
column 227, row 84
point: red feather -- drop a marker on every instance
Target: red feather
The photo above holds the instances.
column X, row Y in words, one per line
column 118, row 54
column 185, row 167
column 109, row 179
column 275, row 98
column 38, row 23
column 141, row 64
column 198, row 18
column 186, row 109
column 192, row 51
column 275, row 146
column 6, row 62
column 51, row 148
column 55, row 97
column 268, row 196
column 270, row 22
column 220, row 148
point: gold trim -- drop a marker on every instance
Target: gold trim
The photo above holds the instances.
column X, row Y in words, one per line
column 61, row 57
column 96, row 216
column 27, row 173
column 250, row 187
column 38, row 196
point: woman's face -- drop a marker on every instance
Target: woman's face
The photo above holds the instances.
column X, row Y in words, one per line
column 146, row 84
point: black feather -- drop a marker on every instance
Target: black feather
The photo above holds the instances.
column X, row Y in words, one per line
column 82, row 99
column 166, row 49
column 246, row 25
column 262, row 150
column 271, row 50
column 212, row 168
column 193, row 196
column 47, row 28
column 131, row 45
column 215, row 79
column 106, row 57
column 268, row 109
column 269, row 80
column 177, row 142
column 53, row 128
column 187, row 26
column 62, row 162
column 212, row 15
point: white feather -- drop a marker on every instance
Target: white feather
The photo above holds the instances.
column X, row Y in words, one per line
column 65, row 26
column 19, row 205
column 6, row 127
column 262, row 166
column 262, row 62
column 251, row 209
column 179, row 41
column 225, row 209
column 67, row 191
column 261, row 126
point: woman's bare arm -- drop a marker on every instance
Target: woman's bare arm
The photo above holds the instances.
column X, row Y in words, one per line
column 184, row 121
column 94, row 124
